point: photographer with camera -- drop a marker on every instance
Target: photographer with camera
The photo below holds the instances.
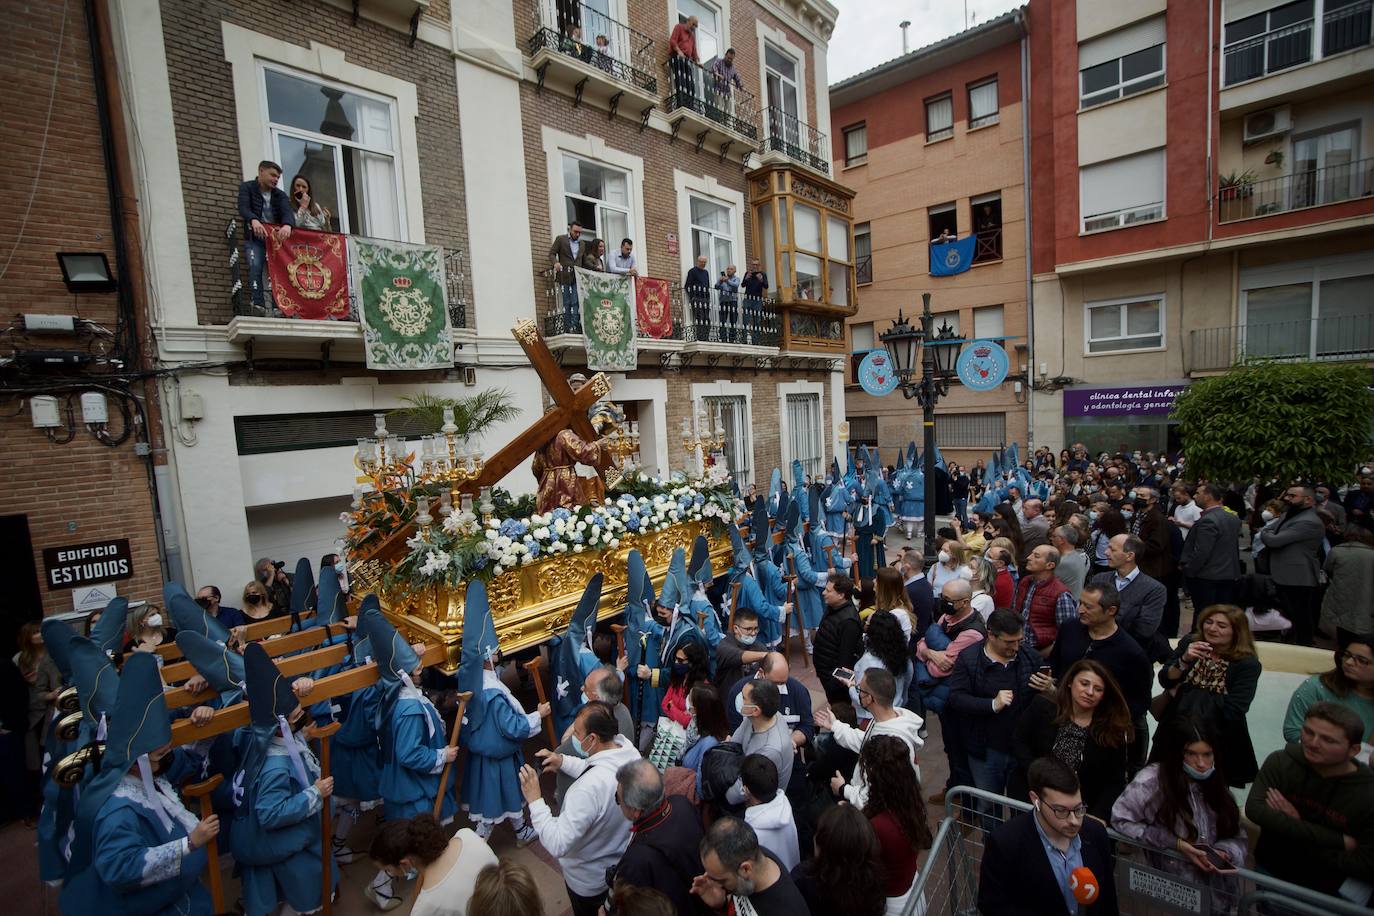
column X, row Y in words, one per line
column 277, row 583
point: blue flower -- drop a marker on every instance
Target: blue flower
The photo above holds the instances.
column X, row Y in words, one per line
column 510, row 528
column 479, row 562
column 562, row 513
column 534, row 549
column 576, row 537
column 632, row 523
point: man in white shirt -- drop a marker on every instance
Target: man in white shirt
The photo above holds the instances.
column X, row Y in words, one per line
column 623, row 261
column 768, row 811
column 590, row 834
column 1186, row 512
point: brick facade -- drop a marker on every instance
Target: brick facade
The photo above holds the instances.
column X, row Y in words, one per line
column 79, row 491
column 205, row 119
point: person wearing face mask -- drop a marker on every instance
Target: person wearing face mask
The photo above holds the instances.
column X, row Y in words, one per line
column 762, row 731
column 418, row 848
column 736, row 656
column 1294, row 549
column 956, row 628
column 147, row 630
column 1152, row 527
column 689, row 670
column 1270, row 516
column 1179, row 803
column 590, row 832
column 208, row 597
column 1327, row 499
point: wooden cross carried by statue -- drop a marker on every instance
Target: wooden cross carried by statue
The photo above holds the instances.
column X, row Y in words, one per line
column 545, row 439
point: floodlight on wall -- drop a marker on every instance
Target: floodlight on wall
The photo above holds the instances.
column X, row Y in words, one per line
column 86, row 271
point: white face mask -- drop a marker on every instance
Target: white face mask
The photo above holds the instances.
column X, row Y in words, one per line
column 944, row 557
column 153, row 620
column 1267, row 515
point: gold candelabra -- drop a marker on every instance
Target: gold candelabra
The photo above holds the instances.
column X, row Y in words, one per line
column 700, row 433
column 623, row 442
column 443, row 459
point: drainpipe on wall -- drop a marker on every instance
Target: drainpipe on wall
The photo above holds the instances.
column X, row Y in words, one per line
column 129, row 260
column 1026, row 192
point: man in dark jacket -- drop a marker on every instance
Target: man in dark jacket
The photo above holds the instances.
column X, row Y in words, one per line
column 264, row 208
column 1211, row 554
column 839, row 638
column 1314, row 804
column 665, row 837
column 1142, row 597
column 697, row 284
column 918, row 590
column 1152, row 527
column 988, row 689
column 1030, row 860
column 1294, row 549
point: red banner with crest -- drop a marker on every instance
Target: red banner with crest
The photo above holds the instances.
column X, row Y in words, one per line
column 309, row 274
column 653, row 307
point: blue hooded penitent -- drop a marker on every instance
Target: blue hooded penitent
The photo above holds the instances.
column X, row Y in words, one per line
column 96, row 682
column 739, row 552
column 57, row 638
column 700, row 575
column 799, row 489
column 774, row 492
column 222, row 667
column 302, row 585
column 760, row 532
column 331, row 605
column 479, row 643
column 189, row 617
column 572, row 659
column 638, row 596
column 108, row 631
column 677, row 591
column 393, row 655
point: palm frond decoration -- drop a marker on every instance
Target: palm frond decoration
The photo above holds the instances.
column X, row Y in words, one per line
column 471, row 415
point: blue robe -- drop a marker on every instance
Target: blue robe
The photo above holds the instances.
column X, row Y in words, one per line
column 137, row 865
column 494, row 733
column 753, row 597
column 683, row 630
column 410, row 762
column 911, row 495
column 810, row 608
column 276, row 839
column 835, row 505
column 356, row 753
column 713, row 633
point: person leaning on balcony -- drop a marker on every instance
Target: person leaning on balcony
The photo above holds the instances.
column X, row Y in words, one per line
column 602, row 57
column 728, row 287
column 566, row 253
column 698, row 286
column 724, row 73
column 623, row 261
column 755, row 282
column 264, row 208
column 594, row 256
column 682, row 46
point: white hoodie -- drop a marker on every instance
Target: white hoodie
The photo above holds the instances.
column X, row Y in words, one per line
column 776, row 829
column 905, row 725
column 590, row 833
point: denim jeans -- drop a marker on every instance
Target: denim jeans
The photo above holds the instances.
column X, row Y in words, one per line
column 729, row 312
column 990, row 773
column 255, row 254
column 961, row 511
column 572, row 320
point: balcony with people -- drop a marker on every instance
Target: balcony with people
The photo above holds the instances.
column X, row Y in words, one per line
column 581, row 50
column 708, row 105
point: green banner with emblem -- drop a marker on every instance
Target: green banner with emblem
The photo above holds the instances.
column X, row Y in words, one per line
column 607, row 303
column 400, row 292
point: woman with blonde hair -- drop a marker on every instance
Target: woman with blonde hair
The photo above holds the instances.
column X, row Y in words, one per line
column 984, row 583
column 505, row 889
column 1212, row 677
column 147, row 629
column 951, row 565
column 257, row 603
column 890, row 595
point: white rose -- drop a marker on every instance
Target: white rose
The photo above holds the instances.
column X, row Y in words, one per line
column 491, row 534
column 581, row 526
column 615, row 542
column 577, row 548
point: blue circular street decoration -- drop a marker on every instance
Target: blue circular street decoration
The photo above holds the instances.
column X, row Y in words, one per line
column 983, row 365
column 876, row 373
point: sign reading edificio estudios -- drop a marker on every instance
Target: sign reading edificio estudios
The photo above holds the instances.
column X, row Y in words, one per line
column 82, row 564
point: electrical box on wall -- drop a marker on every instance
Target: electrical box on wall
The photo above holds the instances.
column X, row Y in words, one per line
column 56, row 324
column 192, row 405
column 44, row 410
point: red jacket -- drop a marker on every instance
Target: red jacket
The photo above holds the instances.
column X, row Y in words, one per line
column 674, row 705
column 1042, row 620
column 1003, row 589
column 684, row 41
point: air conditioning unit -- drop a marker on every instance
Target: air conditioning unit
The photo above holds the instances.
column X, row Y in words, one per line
column 1271, row 122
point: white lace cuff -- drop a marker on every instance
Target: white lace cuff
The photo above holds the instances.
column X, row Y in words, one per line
column 163, row 862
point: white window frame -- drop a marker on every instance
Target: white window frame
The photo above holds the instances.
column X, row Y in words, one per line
column 345, row 221
column 598, row 203
column 790, row 438
column 853, row 129
column 1123, row 301
column 986, row 310
column 868, row 234
column 712, row 267
column 766, row 35
column 989, row 119
column 1126, row 88
column 1130, row 216
column 943, row 133
column 244, row 49
column 593, row 148
column 722, row 7
column 724, row 389
column 687, row 186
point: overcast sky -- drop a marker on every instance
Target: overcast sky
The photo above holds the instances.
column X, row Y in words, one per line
column 867, row 34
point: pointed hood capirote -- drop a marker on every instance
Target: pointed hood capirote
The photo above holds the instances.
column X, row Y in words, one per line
column 793, row 524
column 57, row 638
column 395, row 659
column 639, row 595
column 222, row 667
column 331, row 607
column 774, row 488
column 95, row 679
column 108, row 632
column 572, row 658
column 189, row 617
column 677, row 591
column 302, row 586
column 760, row 532
column 699, row 569
column 479, row 644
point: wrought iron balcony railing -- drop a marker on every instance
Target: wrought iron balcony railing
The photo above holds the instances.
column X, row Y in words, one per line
column 1308, row 188
column 699, row 315
column 1332, row 338
column 798, row 141
column 988, row 246
column 714, row 95
column 1268, row 53
column 572, row 28
column 1347, row 27
column 241, row 300
column 863, row 270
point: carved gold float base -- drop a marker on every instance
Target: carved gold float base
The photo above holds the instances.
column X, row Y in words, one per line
column 535, row 602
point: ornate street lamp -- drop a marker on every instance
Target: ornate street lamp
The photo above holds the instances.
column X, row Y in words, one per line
column 936, row 370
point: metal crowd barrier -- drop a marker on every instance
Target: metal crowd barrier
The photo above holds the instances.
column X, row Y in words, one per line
column 948, row 882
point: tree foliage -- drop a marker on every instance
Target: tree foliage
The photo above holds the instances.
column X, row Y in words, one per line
column 1277, row 420
column 471, row 415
